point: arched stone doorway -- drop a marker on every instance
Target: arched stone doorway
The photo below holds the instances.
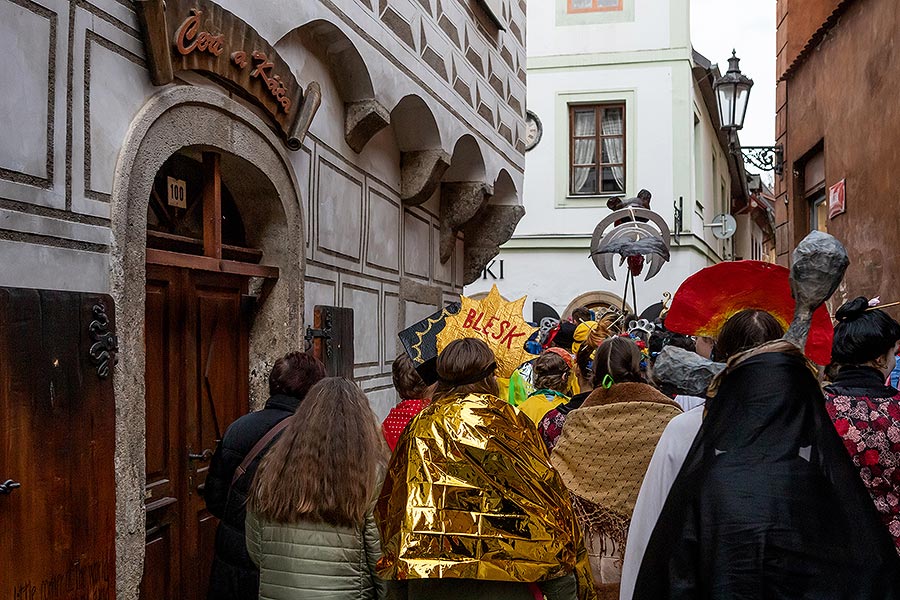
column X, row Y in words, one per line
column 241, row 305
column 594, row 301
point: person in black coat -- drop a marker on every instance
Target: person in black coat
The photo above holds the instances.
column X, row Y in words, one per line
column 767, row 504
column 234, row 576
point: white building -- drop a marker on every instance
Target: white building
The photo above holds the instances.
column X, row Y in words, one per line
column 622, row 76
column 154, row 156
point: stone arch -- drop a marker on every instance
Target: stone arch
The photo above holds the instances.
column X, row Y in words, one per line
column 414, row 125
column 467, row 162
column 594, row 298
column 483, row 295
column 335, row 49
column 423, row 161
column 174, row 119
column 505, row 193
column 364, row 116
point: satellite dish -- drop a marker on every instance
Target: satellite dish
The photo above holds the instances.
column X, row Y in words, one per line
column 724, row 226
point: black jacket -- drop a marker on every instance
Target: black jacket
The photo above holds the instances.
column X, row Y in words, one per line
column 860, row 381
column 234, row 576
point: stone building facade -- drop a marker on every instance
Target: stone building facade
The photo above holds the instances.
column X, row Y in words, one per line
column 408, row 180
column 837, row 119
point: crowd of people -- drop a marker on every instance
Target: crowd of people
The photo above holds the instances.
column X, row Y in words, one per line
column 583, row 476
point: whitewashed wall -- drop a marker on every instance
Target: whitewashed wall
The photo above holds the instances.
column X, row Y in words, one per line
column 647, row 91
column 643, row 24
column 641, row 56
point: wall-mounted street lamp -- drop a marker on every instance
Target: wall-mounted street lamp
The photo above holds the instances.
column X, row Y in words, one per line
column 732, row 95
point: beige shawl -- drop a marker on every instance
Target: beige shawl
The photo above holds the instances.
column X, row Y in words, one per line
column 605, row 448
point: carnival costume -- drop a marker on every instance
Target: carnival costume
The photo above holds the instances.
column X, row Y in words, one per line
column 602, row 456
column 767, row 503
column 470, row 494
column 866, row 414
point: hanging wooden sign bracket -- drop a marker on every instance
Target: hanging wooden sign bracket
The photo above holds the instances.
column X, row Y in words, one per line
column 201, row 36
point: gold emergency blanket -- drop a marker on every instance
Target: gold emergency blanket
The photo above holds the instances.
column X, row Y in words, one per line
column 470, row 493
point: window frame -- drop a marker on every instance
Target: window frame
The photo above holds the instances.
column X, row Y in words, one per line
column 814, row 200
column 595, row 8
column 813, row 185
column 598, row 137
column 725, row 205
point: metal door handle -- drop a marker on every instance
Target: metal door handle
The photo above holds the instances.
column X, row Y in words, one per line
column 205, row 455
column 8, row 486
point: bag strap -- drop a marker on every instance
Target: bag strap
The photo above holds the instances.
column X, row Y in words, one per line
column 259, row 447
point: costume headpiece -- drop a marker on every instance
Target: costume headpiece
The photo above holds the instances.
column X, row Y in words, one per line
column 713, row 295
column 496, row 322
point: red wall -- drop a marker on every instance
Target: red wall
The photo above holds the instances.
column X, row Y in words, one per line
column 798, row 21
column 844, row 96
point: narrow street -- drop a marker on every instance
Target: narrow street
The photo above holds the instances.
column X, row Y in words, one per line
column 477, row 299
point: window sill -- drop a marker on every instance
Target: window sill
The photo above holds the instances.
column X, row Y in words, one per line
column 604, row 197
column 594, row 201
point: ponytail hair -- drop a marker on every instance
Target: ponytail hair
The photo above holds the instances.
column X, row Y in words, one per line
column 619, row 358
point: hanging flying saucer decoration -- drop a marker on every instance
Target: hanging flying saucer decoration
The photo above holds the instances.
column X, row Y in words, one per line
column 637, row 235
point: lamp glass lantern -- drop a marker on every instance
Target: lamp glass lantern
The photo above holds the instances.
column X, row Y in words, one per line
column 733, row 94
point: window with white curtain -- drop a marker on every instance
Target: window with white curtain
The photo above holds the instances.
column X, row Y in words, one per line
column 596, row 149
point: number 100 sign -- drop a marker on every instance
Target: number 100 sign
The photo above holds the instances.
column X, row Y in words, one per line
column 177, row 195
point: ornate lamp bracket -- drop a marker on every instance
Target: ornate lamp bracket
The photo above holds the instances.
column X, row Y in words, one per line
column 766, row 158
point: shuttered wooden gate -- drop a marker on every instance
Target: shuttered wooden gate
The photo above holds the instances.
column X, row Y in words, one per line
column 57, row 439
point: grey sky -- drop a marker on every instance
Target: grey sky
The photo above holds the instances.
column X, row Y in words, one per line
column 748, row 26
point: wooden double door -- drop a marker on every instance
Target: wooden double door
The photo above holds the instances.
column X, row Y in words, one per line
column 196, row 336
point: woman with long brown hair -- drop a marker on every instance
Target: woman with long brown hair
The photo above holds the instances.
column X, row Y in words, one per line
column 471, row 507
column 310, row 525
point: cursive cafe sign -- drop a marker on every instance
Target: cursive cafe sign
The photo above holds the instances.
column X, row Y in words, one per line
column 199, row 35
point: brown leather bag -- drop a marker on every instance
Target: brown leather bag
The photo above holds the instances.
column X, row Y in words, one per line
column 259, row 447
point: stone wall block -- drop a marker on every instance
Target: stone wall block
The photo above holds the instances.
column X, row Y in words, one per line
column 490, row 229
column 460, row 202
column 421, row 172
column 362, row 121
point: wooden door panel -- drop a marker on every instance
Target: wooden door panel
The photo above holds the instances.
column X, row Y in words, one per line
column 207, row 540
column 35, row 504
column 196, row 385
column 336, row 350
column 158, row 580
column 160, row 391
column 163, row 498
column 216, row 363
column 57, row 439
column 220, row 373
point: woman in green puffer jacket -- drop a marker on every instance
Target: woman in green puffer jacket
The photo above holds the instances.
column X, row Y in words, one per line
column 310, row 527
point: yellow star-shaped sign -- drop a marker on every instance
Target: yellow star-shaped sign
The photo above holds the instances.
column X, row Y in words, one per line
column 495, row 321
